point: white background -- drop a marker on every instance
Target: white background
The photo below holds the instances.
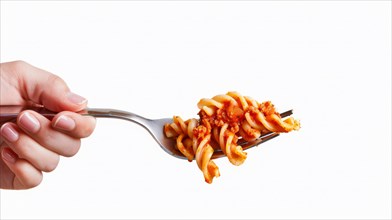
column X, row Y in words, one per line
column 329, row 61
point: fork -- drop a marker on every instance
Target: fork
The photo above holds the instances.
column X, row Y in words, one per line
column 154, row 127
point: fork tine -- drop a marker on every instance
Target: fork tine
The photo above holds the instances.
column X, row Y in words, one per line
column 286, row 113
column 258, row 141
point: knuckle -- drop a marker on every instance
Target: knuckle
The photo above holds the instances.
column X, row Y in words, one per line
column 85, row 127
column 32, row 182
column 87, row 131
column 19, row 64
column 71, row 151
column 55, row 80
column 50, row 166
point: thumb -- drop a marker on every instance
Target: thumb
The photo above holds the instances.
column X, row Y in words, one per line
column 47, row 89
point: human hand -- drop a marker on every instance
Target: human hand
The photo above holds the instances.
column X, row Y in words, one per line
column 34, row 144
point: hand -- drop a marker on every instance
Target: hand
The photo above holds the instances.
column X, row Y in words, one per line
column 34, row 144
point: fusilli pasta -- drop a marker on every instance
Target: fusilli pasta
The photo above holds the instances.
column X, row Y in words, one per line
column 223, row 120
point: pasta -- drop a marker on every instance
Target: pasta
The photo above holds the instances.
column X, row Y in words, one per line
column 223, row 120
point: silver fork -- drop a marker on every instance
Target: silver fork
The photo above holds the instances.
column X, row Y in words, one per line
column 154, row 127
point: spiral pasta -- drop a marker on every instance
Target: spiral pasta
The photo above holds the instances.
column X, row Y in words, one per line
column 223, row 120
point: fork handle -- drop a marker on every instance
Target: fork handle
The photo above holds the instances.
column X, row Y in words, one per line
column 10, row 113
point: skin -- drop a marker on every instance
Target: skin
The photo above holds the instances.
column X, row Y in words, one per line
column 34, row 144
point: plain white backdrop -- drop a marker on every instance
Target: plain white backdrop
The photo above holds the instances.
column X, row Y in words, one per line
column 329, row 61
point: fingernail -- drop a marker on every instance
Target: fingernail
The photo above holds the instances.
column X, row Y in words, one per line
column 76, row 99
column 29, row 122
column 9, row 155
column 9, row 133
column 64, row 123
